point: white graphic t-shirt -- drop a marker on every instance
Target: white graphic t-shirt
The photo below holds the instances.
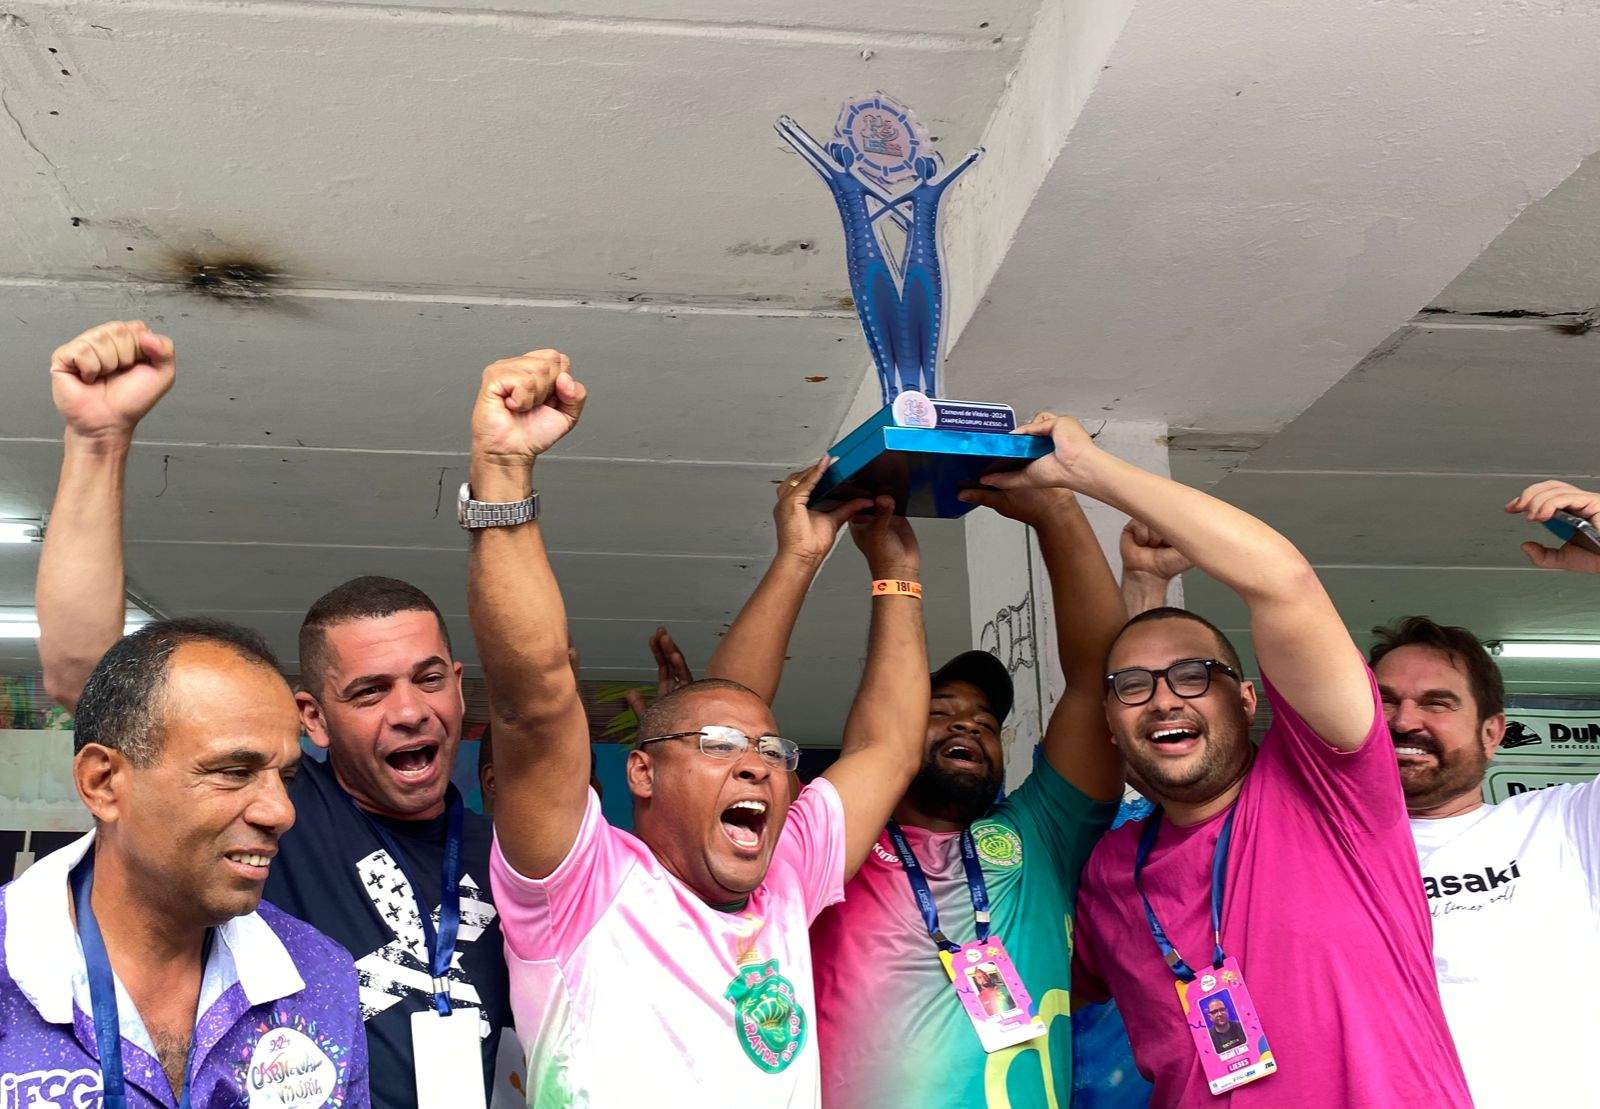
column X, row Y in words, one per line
column 1514, row 890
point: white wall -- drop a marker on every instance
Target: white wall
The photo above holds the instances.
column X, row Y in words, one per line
column 1012, row 614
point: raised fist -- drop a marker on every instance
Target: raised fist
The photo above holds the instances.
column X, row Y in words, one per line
column 1145, row 552
column 106, row 379
column 525, row 405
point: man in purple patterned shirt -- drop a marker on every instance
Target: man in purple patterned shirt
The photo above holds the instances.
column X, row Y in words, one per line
column 141, row 957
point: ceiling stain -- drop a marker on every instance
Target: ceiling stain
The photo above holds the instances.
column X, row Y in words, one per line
column 741, row 250
column 238, row 277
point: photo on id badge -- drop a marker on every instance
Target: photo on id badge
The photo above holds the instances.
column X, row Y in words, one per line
column 993, row 995
column 1227, row 1032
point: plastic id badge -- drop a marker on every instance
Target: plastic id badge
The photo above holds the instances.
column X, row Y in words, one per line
column 448, row 1061
column 1227, row 1032
column 992, row 993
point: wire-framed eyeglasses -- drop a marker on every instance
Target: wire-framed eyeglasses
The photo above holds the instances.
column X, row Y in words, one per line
column 1188, row 678
column 722, row 742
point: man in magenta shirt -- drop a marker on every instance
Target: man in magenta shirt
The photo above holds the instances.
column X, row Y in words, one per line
column 1316, row 892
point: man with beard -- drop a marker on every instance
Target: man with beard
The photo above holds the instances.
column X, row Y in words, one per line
column 1513, row 887
column 1288, row 872
column 1028, row 847
column 672, row 966
column 367, row 861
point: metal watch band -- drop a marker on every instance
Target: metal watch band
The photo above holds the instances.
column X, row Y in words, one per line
column 473, row 514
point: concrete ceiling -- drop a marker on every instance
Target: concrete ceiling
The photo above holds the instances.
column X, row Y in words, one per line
column 1393, row 482
column 1198, row 213
column 430, row 189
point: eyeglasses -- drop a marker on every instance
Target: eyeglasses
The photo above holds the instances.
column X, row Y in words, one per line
column 722, row 742
column 1188, row 678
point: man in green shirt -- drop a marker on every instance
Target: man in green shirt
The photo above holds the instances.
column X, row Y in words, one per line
column 891, row 1028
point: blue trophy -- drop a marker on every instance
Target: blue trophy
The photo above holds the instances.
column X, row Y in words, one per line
column 918, row 448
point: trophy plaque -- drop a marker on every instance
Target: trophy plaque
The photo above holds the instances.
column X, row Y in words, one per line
column 919, row 448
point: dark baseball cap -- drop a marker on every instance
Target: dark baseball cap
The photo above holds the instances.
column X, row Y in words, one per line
column 983, row 670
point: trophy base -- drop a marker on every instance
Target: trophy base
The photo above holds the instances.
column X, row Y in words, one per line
column 922, row 468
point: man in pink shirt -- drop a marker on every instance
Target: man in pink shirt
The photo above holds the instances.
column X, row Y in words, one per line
column 671, row 967
column 1284, row 880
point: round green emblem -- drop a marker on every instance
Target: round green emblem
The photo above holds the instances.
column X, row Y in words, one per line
column 997, row 845
column 767, row 1016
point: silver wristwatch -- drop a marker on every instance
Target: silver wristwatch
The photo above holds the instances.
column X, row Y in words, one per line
column 472, row 514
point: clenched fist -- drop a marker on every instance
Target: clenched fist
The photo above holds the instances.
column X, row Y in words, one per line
column 525, row 405
column 1145, row 552
column 106, row 379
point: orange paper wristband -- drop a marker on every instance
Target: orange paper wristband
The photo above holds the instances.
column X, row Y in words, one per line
column 891, row 587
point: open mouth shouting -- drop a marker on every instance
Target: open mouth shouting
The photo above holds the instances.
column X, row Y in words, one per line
column 415, row 761
column 744, row 823
column 1173, row 738
column 962, row 753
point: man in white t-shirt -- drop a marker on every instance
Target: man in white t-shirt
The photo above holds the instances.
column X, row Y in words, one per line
column 1513, row 888
column 671, row 967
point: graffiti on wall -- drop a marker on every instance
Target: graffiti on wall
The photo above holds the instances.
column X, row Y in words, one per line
column 1009, row 635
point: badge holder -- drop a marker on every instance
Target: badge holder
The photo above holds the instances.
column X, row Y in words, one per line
column 1227, row 1032
column 449, row 1064
column 992, row 993
column 984, row 977
column 1216, row 1004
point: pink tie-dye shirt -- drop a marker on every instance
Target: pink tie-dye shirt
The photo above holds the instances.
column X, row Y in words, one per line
column 630, row 990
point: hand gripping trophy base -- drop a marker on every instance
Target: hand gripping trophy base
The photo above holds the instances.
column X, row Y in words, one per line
column 922, row 468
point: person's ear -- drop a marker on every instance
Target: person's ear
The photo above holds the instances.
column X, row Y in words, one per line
column 312, row 721
column 1247, row 699
column 1111, row 727
column 641, row 773
column 486, row 784
column 1492, row 733
column 101, row 777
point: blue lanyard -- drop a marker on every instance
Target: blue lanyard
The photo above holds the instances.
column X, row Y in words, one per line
column 919, row 886
column 103, row 993
column 441, row 946
column 1219, row 867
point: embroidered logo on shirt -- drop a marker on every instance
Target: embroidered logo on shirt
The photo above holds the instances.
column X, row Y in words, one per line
column 286, row 1064
column 997, row 844
column 767, row 1016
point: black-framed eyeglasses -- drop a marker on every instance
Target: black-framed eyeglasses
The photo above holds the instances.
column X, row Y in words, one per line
column 1188, row 678
column 722, row 742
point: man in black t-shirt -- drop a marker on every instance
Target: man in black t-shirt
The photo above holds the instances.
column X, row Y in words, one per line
column 381, row 693
column 1226, row 1033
